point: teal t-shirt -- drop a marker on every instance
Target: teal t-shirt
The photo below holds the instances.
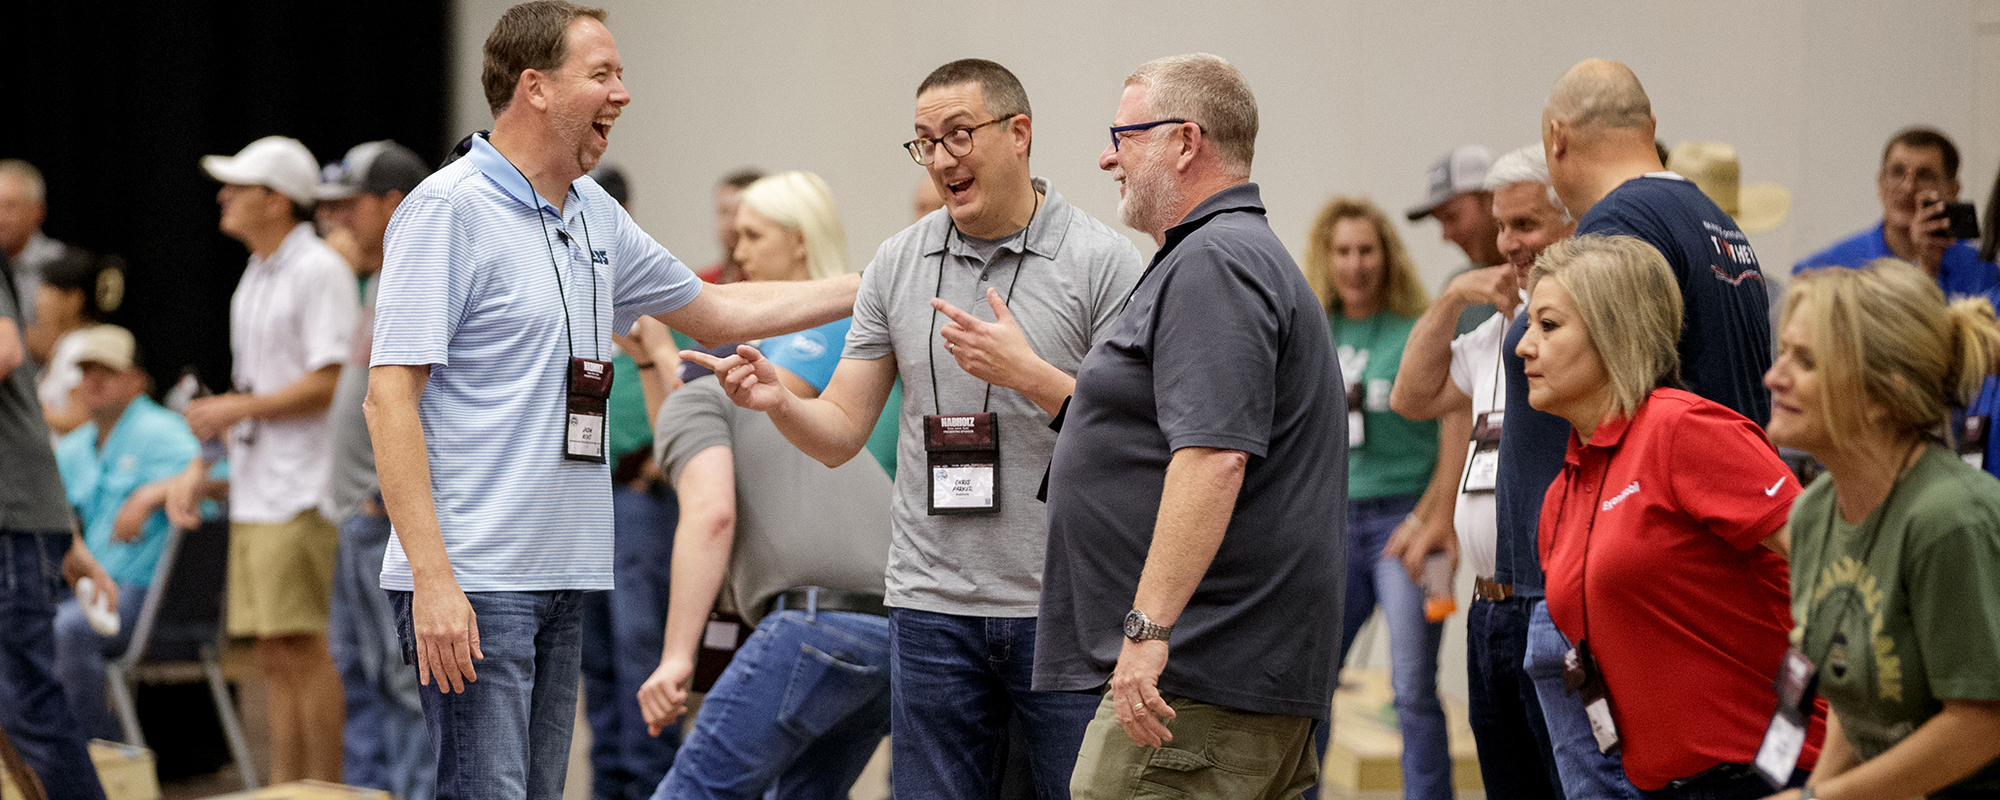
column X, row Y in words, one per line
column 1395, row 455
column 1902, row 609
column 148, row 443
column 626, row 410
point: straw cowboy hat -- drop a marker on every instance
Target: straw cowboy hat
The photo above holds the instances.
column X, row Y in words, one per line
column 1712, row 166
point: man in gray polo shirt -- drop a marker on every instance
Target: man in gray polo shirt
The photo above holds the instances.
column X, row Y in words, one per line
column 1037, row 279
column 805, row 702
column 1201, row 474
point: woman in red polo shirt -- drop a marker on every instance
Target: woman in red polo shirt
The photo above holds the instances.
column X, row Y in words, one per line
column 1661, row 537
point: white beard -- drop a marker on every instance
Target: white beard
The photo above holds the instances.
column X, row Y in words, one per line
column 1151, row 193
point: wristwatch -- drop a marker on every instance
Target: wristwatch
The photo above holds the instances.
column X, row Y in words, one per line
column 1139, row 629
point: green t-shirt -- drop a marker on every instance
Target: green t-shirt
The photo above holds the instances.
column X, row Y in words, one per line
column 625, row 410
column 1395, row 455
column 1914, row 592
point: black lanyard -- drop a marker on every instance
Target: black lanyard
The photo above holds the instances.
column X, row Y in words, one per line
column 590, row 263
column 1583, row 573
column 930, row 343
column 1874, row 531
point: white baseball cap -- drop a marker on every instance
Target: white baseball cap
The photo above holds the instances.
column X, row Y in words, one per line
column 278, row 162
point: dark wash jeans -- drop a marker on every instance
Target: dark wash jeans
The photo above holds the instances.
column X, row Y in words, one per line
column 953, row 681
column 1515, row 760
column 33, row 709
column 508, row 733
column 623, row 631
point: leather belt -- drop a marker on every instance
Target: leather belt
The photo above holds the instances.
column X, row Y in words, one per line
column 1486, row 589
column 820, row 598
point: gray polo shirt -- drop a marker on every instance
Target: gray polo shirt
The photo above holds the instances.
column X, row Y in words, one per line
column 1223, row 345
column 31, row 491
column 1074, row 273
column 797, row 522
column 353, row 481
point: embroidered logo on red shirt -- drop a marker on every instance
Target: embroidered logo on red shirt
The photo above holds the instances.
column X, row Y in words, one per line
column 1629, row 491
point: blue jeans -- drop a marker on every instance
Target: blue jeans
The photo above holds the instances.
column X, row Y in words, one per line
column 81, row 655
column 1413, row 642
column 798, row 713
column 1586, row 773
column 1515, row 758
column 384, row 744
column 32, row 709
column 953, row 682
column 623, row 631
column 507, row 735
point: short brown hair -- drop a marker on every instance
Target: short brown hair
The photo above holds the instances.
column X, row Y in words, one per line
column 1914, row 138
column 533, row 35
column 1206, row 90
column 1003, row 92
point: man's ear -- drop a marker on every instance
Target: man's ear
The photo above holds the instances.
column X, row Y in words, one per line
column 1022, row 128
column 1193, row 141
column 532, row 88
column 1558, row 139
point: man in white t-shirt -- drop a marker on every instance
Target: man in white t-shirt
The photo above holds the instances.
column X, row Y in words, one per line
column 1440, row 374
column 290, row 321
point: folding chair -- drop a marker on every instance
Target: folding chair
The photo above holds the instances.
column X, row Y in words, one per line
column 181, row 624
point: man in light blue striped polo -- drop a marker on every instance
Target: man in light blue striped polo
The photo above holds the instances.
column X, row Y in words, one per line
column 504, row 276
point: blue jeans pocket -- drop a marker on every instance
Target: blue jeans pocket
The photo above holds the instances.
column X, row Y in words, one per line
column 824, row 690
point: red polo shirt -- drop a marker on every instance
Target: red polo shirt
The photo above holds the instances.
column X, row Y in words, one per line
column 1689, row 615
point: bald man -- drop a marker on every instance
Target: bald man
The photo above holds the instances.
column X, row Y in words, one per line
column 1597, row 131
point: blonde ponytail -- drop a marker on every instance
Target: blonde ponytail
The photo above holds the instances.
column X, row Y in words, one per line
column 1975, row 340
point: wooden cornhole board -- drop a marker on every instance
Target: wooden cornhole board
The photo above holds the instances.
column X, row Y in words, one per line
column 1366, row 752
column 307, row 790
column 126, row 772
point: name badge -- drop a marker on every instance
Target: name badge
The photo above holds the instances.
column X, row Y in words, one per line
column 1357, row 423
column 1482, row 470
column 1796, row 686
column 589, row 387
column 1581, row 677
column 962, row 452
column 1972, row 444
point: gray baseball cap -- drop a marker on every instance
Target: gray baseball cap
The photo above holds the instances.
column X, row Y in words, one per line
column 1457, row 172
column 372, row 168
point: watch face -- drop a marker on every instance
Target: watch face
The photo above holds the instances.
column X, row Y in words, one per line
column 1134, row 623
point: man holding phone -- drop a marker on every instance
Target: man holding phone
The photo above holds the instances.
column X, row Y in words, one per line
column 1917, row 183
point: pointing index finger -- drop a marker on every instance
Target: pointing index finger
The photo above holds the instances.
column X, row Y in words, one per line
column 956, row 314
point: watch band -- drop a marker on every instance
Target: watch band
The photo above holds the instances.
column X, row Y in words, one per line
column 1139, row 629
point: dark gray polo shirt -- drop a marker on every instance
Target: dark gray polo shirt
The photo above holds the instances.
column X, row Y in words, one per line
column 31, row 492
column 1222, row 345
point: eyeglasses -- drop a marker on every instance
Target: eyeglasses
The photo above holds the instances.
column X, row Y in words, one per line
column 1117, row 130
column 958, row 142
column 1921, row 177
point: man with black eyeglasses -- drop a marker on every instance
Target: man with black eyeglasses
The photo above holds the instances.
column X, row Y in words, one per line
column 986, row 311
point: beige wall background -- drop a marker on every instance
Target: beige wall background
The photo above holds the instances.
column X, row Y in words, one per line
column 1356, row 96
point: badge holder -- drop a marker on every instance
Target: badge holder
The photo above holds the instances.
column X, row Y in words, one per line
column 1972, row 444
column 589, row 388
column 1797, row 684
column 1582, row 677
column 1482, row 471
column 962, row 452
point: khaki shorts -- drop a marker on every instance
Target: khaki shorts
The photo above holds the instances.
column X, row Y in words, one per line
column 281, row 575
column 1216, row 752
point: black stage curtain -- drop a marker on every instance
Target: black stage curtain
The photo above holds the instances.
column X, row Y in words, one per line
column 116, row 102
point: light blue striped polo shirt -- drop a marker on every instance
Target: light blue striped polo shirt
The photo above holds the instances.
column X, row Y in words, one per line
column 470, row 286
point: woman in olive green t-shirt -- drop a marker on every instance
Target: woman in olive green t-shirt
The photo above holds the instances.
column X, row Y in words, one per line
column 1896, row 549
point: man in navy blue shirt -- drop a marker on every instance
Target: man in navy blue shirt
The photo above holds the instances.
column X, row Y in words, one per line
column 1919, row 173
column 1597, row 130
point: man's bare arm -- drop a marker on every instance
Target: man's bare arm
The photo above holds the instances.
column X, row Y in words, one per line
column 12, row 353
column 1196, row 502
column 748, row 310
column 832, row 427
column 1424, row 389
column 310, row 394
column 703, row 539
column 446, row 628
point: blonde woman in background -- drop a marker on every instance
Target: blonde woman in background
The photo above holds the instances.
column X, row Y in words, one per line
column 1357, row 265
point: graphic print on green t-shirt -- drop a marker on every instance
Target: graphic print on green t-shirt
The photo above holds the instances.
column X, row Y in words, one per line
column 1397, row 455
column 1903, row 608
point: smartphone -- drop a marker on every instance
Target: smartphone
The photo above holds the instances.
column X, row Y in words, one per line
column 1964, row 220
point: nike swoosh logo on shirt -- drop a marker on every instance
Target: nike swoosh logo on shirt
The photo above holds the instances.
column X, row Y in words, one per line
column 1773, row 491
